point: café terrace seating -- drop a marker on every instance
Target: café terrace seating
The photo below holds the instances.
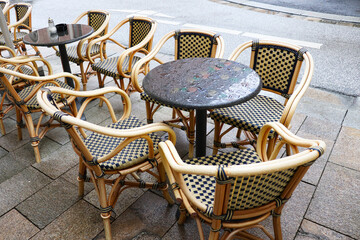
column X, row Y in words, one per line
column 19, row 21
column 278, row 65
column 187, row 44
column 235, row 191
column 99, row 21
column 25, row 102
column 141, row 35
column 123, row 150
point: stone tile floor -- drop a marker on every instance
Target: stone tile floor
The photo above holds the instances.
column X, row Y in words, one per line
column 39, row 200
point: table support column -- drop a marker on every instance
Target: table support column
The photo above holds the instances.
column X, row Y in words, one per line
column 65, row 63
column 201, row 121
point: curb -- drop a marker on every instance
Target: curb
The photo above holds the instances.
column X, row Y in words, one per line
column 293, row 13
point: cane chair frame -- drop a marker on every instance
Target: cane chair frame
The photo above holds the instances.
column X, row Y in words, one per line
column 23, row 105
column 23, row 22
column 222, row 214
column 86, row 158
column 187, row 122
column 10, row 62
column 81, row 54
column 4, row 5
column 291, row 97
column 140, row 43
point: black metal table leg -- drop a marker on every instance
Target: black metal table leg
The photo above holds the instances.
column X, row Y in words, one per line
column 201, row 120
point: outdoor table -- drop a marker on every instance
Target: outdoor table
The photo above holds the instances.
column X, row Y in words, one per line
column 70, row 33
column 202, row 84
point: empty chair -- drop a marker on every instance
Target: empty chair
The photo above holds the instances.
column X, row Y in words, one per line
column 25, row 102
column 123, row 150
column 19, row 25
column 141, row 34
column 278, row 65
column 187, row 44
column 235, row 191
column 99, row 21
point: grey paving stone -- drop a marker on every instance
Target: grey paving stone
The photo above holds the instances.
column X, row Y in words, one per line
column 150, row 214
column 341, row 101
column 3, row 152
column 313, row 175
column 26, row 155
column 16, row 189
column 71, row 176
column 49, row 203
column 9, row 124
column 346, row 151
column 10, row 167
column 58, row 135
column 15, row 226
column 10, row 141
column 186, row 231
column 58, row 162
column 321, row 128
column 352, row 119
column 336, row 200
column 81, row 221
column 310, row 230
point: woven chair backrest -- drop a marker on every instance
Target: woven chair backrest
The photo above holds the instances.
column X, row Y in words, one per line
column 21, row 11
column 192, row 44
column 96, row 20
column 139, row 29
column 3, row 4
column 276, row 66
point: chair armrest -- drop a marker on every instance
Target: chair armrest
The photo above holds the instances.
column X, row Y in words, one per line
column 20, row 21
column 25, row 59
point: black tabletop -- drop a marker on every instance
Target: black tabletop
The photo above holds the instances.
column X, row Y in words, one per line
column 202, row 83
column 72, row 33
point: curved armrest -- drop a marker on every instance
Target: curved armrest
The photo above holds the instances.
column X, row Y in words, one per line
column 20, row 21
column 25, row 59
column 145, row 60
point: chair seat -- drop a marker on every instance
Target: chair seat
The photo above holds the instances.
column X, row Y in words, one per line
column 146, row 97
column 19, row 37
column 134, row 153
column 203, row 187
column 251, row 115
column 108, row 67
column 33, row 103
column 72, row 52
column 24, row 69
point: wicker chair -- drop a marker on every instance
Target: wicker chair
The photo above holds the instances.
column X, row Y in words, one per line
column 188, row 44
column 21, row 27
column 25, row 100
column 141, row 34
column 278, row 65
column 4, row 5
column 235, row 191
column 9, row 60
column 99, row 21
column 121, row 149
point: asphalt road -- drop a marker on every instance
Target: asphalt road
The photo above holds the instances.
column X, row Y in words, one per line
column 339, row 7
column 335, row 48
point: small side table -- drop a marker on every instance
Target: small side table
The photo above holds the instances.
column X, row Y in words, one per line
column 73, row 33
column 202, row 84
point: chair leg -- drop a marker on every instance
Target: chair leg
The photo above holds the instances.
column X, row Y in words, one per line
column 34, row 138
column 81, row 178
column 162, row 177
column 83, row 76
column 107, row 227
column 277, row 226
column 149, row 114
column 101, row 85
column 182, row 216
column 191, row 133
column 217, row 138
column 19, row 124
column 2, row 127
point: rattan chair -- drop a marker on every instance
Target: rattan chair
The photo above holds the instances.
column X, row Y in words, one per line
column 235, row 191
column 119, row 150
column 278, row 65
column 9, row 60
column 25, row 100
column 4, row 5
column 21, row 27
column 188, row 44
column 141, row 34
column 99, row 21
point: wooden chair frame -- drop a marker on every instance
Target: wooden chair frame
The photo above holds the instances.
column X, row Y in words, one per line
column 248, row 217
column 11, row 61
column 22, row 111
column 142, row 47
column 19, row 25
column 75, row 128
column 102, row 30
column 290, row 103
column 187, row 122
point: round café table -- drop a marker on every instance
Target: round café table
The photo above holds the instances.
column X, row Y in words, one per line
column 70, row 33
column 202, row 84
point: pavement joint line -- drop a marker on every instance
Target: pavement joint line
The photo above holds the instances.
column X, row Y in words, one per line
column 307, row 15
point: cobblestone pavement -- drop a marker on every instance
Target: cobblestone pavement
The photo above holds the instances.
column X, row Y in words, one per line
column 39, row 200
